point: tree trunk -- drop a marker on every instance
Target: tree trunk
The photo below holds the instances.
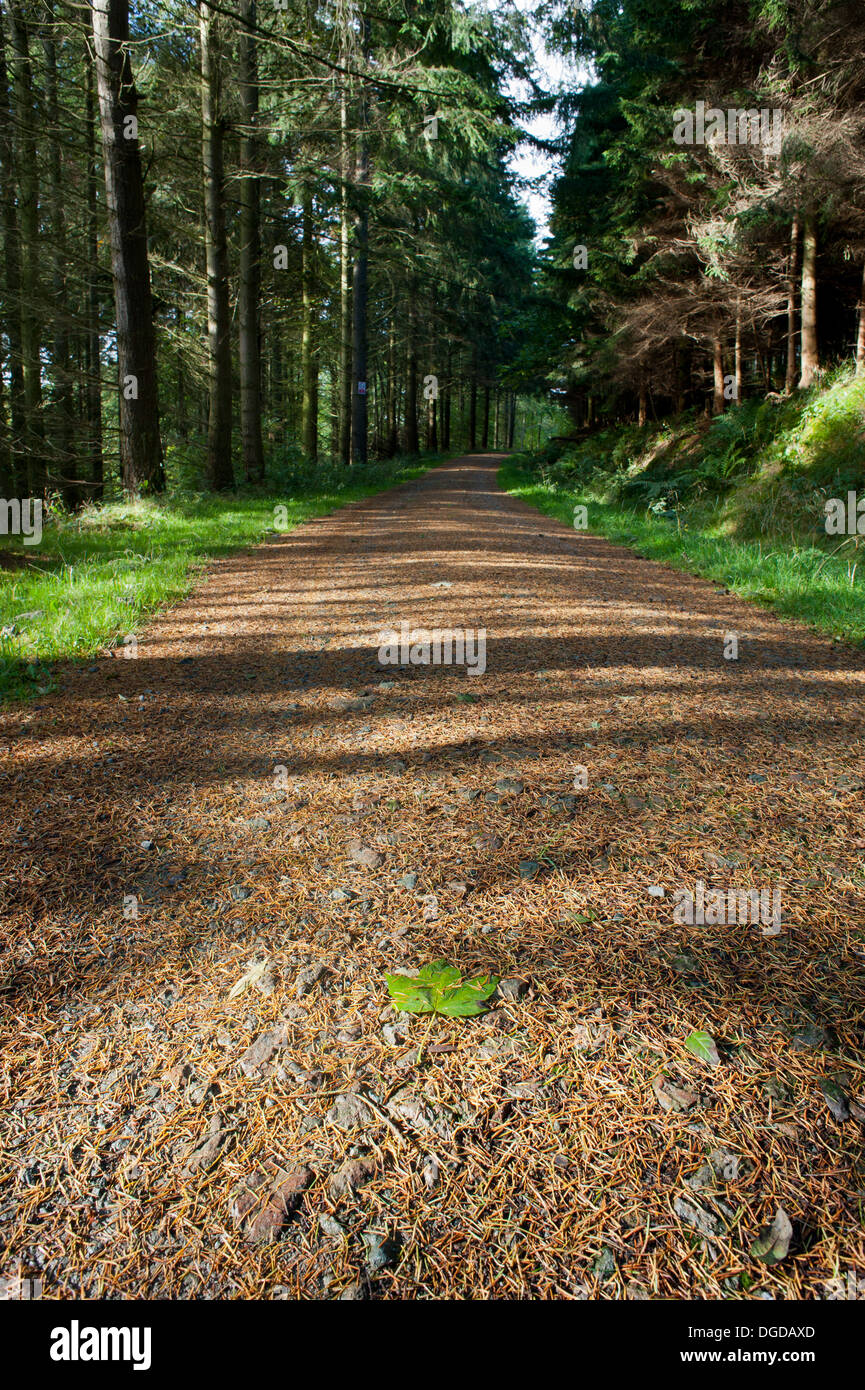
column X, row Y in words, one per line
column 359, row 286
column 309, row 363
column 641, row 404
column 359, row 326
column 764, row 363
column 63, row 402
column 93, row 355
column 792, row 276
column 485, row 436
column 141, row 466
column 182, row 421
column 249, row 293
column 17, row 435
column 277, row 395
column 810, row 351
column 412, row 441
column 473, row 402
column 683, row 375
column 446, row 403
column 860, row 337
column 737, row 357
column 379, row 412
column 717, row 376
column 25, row 124
column 216, row 255
column 333, row 409
column 345, row 319
column 392, row 420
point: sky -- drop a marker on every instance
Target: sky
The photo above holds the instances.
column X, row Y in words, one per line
column 527, row 162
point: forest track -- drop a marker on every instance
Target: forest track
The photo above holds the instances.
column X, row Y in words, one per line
column 567, row 1144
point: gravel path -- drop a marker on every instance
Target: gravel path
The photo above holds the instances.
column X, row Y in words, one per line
column 214, row 851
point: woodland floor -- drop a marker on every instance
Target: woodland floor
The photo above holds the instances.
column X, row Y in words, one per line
column 566, row 1144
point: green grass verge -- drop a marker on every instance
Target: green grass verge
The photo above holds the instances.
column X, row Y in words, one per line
column 98, row 573
column 804, row 582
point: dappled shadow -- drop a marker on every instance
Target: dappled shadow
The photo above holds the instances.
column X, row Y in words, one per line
column 245, row 825
column 591, row 653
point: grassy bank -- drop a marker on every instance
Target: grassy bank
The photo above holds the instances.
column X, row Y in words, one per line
column 97, row 574
column 739, row 500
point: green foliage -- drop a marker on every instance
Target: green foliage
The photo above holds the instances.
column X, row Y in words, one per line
column 439, row 988
column 762, row 464
column 703, row 1045
column 450, row 258
column 689, row 243
column 738, row 500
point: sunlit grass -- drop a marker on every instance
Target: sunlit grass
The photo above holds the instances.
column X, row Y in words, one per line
column 803, row 582
column 97, row 574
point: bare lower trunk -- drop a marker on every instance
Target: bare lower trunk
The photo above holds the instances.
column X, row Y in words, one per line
column 359, row 343
column 16, row 438
column 717, row 377
column 63, row 415
column 249, row 295
column 392, row 421
column 216, row 256
column 141, row 464
column 93, row 356
column 412, row 441
column 683, row 364
column 764, row 360
column 810, row 351
column 276, row 394
column 345, row 321
column 359, row 285
column 792, row 276
column 473, row 402
column 309, row 362
column 860, row 338
column 25, row 125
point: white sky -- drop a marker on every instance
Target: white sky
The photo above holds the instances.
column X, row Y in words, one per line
column 527, row 162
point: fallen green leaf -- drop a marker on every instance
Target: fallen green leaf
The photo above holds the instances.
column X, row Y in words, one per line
column 702, row 1045
column 439, row 988
column 604, row 1266
column 773, row 1241
column 408, row 996
column 835, row 1098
